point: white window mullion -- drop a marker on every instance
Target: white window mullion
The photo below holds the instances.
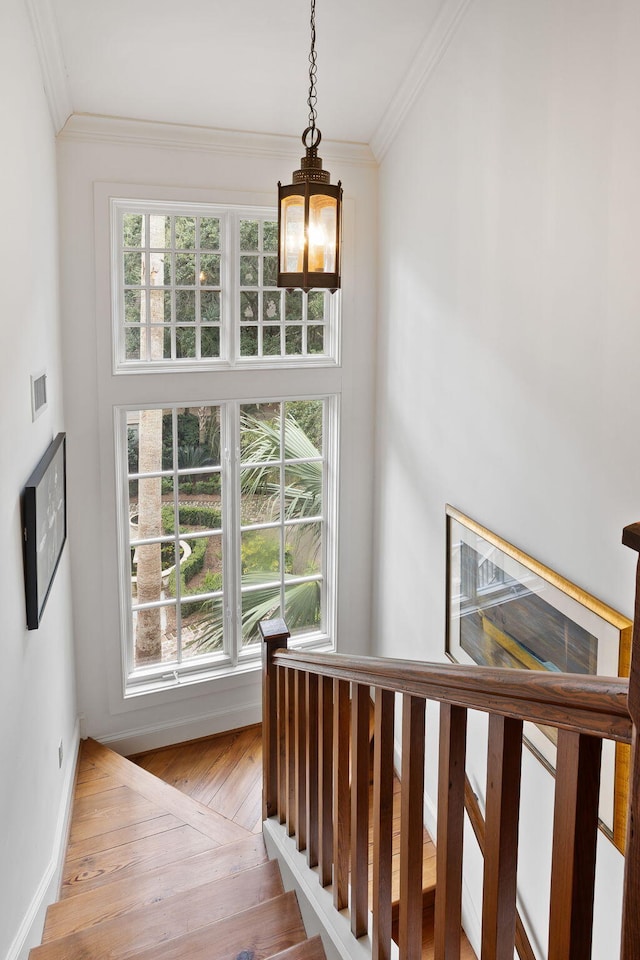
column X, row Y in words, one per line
column 176, row 532
column 231, row 529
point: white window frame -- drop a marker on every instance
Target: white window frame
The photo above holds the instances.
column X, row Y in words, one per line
column 230, row 216
column 234, row 658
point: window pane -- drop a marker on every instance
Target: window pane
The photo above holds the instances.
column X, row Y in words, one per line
column 202, row 626
column 199, row 496
column 151, row 642
column 293, row 340
column 270, row 235
column 133, row 268
column 271, row 306
column 304, row 428
column 185, row 269
column 303, row 490
column 260, row 550
column 315, row 339
column 302, row 607
column 132, row 306
column 200, row 566
column 210, row 270
column 260, row 500
column 132, row 344
column 260, row 432
column 293, row 305
column 261, row 604
column 248, row 306
column 185, row 342
column 249, row 271
column 316, row 305
column 270, row 271
column 304, row 549
column 132, row 226
column 271, row 342
column 186, row 306
column 248, row 341
column 210, row 342
column 209, row 233
column 185, row 233
column 209, row 305
column 248, row 234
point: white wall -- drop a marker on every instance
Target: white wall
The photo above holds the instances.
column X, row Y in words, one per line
column 37, row 699
column 96, row 157
column 509, row 331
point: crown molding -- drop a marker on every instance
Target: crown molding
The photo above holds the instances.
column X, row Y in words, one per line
column 92, row 128
column 429, row 55
column 52, row 65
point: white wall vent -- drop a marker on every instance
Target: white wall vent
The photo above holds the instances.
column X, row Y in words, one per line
column 38, row 394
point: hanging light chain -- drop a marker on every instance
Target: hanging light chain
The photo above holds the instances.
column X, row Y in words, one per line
column 313, row 71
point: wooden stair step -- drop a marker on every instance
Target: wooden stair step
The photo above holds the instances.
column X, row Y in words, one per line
column 166, row 919
column 122, row 896
column 256, row 933
column 311, row 949
column 132, row 858
column 96, row 757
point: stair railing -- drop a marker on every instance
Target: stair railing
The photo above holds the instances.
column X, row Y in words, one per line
column 317, row 778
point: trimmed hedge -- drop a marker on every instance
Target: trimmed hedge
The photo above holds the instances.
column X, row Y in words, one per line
column 191, row 516
column 188, row 568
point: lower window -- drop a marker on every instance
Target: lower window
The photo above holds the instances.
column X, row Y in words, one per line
column 226, row 520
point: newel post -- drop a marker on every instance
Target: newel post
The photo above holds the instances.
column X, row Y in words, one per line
column 631, row 907
column 275, row 636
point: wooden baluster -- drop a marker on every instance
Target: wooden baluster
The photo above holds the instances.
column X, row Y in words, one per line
column 631, row 906
column 301, row 761
column 382, row 823
column 325, row 785
column 359, row 809
column 411, row 828
column 282, row 744
column 501, row 838
column 290, row 738
column 274, row 635
column 575, row 829
column 451, row 781
column 341, row 799
column 523, row 945
column 312, row 769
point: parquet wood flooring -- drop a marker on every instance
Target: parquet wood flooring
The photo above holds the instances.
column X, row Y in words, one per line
column 223, row 772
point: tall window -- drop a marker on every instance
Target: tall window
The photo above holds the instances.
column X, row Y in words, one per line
column 196, row 288
column 227, row 508
column 215, row 543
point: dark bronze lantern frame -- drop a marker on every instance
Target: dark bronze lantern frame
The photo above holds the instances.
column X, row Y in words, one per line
column 310, row 210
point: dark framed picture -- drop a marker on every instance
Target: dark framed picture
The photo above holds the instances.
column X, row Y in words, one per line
column 504, row 609
column 44, row 520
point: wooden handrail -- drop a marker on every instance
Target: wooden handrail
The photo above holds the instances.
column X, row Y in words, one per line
column 596, row 706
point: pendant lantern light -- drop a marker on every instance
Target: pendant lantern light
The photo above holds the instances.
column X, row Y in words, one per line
column 310, row 209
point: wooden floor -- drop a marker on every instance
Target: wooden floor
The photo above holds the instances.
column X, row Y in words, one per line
column 224, row 772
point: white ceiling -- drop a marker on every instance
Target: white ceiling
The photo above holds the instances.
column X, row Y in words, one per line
column 241, row 64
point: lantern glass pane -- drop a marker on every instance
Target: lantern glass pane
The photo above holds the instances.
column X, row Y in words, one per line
column 292, row 238
column 322, row 233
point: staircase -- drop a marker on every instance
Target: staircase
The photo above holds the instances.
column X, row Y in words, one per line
column 153, row 874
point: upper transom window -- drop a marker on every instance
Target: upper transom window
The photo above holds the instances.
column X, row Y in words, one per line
column 195, row 287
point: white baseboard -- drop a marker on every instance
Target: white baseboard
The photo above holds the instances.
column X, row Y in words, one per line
column 316, row 902
column 30, row 931
column 154, row 736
